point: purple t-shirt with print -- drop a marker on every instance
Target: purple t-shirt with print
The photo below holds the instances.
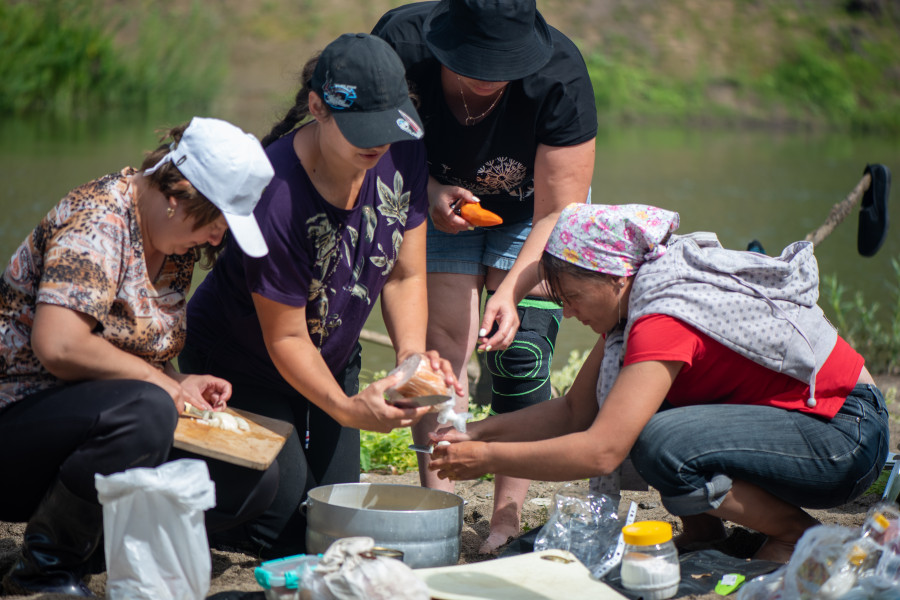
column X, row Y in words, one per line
column 333, row 261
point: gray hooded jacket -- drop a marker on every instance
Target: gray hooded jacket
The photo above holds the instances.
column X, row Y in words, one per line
column 762, row 307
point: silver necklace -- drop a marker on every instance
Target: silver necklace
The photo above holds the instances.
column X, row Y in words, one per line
column 470, row 120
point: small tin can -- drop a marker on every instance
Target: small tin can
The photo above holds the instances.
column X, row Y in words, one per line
column 387, row 552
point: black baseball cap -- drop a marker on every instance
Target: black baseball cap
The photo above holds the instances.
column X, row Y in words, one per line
column 363, row 82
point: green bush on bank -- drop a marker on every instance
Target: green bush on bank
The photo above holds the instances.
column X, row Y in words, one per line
column 859, row 321
column 65, row 58
column 821, row 68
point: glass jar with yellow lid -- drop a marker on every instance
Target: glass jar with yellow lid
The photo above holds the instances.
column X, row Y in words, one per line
column 650, row 561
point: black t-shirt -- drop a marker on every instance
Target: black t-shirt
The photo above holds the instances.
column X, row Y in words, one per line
column 494, row 159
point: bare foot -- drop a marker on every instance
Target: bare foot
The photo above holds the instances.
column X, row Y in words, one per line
column 775, row 551
column 495, row 541
column 700, row 531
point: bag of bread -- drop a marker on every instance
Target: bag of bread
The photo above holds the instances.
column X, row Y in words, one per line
column 419, row 381
column 424, row 386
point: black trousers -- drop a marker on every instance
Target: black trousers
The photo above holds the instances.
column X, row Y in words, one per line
column 77, row 430
column 329, row 455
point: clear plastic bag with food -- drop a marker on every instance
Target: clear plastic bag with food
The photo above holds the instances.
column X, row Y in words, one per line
column 583, row 523
column 421, row 385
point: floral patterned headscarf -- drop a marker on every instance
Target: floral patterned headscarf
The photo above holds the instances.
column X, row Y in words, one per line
column 612, row 239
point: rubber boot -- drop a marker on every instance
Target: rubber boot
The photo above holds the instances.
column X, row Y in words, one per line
column 60, row 538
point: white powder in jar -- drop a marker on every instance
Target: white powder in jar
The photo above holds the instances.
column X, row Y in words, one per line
column 657, row 576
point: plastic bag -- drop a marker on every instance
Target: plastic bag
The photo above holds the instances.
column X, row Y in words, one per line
column 154, row 533
column 419, row 379
column 349, row 571
column 585, row 524
column 829, row 563
column 764, row 587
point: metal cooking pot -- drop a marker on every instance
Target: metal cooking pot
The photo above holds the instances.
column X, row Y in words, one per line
column 424, row 524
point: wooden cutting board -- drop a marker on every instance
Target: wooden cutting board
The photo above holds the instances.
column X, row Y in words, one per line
column 533, row 576
column 255, row 449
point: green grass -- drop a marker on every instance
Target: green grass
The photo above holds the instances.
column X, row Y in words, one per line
column 75, row 58
column 818, row 65
column 870, row 330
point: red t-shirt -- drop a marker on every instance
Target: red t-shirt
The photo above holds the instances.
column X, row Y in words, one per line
column 713, row 373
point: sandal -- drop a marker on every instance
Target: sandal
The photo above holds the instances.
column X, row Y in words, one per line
column 873, row 214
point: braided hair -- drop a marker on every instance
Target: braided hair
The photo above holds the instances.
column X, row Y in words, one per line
column 299, row 112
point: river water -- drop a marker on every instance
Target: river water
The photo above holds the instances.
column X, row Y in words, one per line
column 743, row 185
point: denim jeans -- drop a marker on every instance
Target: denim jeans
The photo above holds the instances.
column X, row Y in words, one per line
column 692, row 454
column 472, row 252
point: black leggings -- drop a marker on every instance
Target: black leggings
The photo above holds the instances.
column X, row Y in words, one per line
column 75, row 431
column 331, row 454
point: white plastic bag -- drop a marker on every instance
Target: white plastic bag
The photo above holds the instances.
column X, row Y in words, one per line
column 154, row 533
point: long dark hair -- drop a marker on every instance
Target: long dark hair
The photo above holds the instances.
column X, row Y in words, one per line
column 551, row 268
column 299, row 112
column 169, row 180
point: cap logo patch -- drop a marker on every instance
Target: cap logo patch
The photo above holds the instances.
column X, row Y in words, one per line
column 409, row 126
column 338, row 95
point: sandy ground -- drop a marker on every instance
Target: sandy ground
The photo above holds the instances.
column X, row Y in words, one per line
column 233, row 571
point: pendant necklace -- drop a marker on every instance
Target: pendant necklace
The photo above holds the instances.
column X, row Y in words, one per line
column 470, row 120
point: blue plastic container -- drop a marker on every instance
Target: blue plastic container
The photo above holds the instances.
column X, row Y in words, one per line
column 281, row 578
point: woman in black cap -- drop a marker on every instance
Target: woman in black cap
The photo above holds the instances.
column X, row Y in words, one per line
column 344, row 220
column 509, row 110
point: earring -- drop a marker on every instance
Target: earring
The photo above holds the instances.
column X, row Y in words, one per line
column 170, row 212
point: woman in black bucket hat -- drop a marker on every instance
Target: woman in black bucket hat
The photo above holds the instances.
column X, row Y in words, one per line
column 509, row 112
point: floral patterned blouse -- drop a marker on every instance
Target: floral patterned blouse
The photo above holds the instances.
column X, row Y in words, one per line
column 87, row 255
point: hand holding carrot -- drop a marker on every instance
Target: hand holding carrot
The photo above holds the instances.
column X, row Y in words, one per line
column 474, row 214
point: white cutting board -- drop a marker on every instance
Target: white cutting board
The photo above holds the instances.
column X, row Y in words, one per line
column 545, row 575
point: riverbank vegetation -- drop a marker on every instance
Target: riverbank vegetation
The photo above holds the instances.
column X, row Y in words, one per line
column 82, row 58
column 873, row 332
column 824, row 64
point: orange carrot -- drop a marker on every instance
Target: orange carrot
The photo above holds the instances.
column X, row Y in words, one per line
column 474, row 214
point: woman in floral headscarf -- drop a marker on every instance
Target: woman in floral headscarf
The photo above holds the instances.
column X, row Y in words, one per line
column 717, row 374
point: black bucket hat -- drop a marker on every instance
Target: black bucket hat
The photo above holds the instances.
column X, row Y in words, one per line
column 363, row 82
column 489, row 40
